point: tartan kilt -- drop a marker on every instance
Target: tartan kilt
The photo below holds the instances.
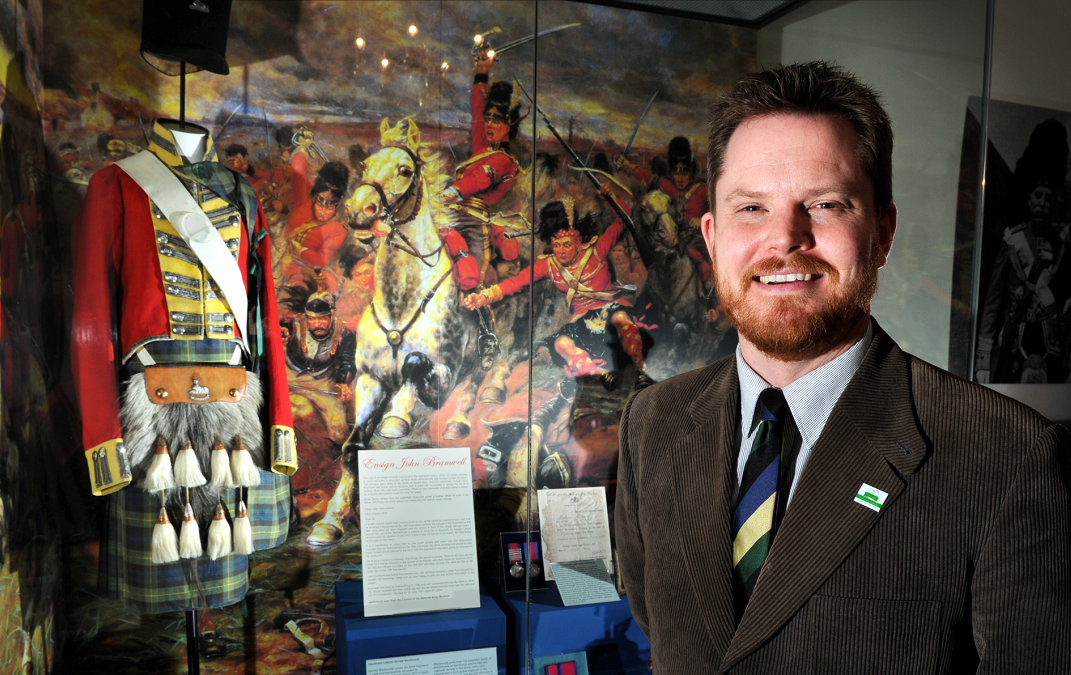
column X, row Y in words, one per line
column 127, row 572
column 593, row 333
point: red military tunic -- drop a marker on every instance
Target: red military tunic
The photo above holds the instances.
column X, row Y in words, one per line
column 258, row 180
column 489, row 173
column 481, row 181
column 693, row 203
column 319, row 243
column 118, row 278
column 586, row 282
column 300, row 200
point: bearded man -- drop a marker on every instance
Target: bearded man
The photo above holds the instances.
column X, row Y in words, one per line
column 823, row 502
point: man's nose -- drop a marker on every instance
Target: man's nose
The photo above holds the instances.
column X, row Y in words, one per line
column 790, row 230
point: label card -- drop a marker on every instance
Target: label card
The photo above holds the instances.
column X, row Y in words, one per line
column 467, row 662
column 418, row 531
column 871, row 497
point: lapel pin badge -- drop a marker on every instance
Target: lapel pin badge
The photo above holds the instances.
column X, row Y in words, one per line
column 871, row 497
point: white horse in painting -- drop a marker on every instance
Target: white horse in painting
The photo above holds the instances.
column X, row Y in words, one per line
column 415, row 340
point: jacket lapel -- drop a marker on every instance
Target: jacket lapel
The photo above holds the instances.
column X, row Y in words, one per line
column 704, row 483
column 864, row 441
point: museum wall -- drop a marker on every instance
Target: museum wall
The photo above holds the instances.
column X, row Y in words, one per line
column 34, row 412
column 1030, row 53
column 1029, row 114
column 299, row 70
column 925, row 70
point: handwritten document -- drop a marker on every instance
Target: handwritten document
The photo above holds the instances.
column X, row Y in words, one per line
column 574, row 526
column 418, row 532
column 467, row 662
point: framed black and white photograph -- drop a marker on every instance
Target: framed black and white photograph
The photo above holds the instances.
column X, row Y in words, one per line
column 1020, row 328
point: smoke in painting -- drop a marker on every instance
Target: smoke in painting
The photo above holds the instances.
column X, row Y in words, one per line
column 449, row 270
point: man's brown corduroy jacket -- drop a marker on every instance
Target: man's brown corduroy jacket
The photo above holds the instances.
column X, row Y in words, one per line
column 966, row 567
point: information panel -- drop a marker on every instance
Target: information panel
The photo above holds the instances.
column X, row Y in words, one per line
column 418, row 531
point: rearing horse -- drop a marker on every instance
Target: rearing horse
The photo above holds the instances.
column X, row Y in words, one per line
column 415, row 339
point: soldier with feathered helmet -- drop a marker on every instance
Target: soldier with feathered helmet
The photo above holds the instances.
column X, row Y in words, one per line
column 486, row 177
column 578, row 267
column 690, row 199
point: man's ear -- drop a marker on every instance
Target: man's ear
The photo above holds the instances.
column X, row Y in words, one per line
column 886, row 230
column 707, row 226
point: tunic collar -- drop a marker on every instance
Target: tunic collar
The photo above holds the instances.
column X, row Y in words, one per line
column 162, row 144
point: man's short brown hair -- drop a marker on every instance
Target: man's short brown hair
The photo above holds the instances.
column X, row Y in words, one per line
column 813, row 88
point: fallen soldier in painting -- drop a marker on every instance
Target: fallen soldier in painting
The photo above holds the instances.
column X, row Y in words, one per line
column 318, row 345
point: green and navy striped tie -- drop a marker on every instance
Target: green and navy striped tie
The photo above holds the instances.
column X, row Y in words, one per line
column 756, row 504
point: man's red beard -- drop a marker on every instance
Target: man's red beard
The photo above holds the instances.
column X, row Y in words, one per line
column 782, row 327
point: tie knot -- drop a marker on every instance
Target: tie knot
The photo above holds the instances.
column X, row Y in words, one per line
column 772, row 405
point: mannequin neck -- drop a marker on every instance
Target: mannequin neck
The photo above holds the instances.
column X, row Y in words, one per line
column 191, row 141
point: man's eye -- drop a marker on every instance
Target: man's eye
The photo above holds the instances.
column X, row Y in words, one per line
column 751, row 208
column 405, row 172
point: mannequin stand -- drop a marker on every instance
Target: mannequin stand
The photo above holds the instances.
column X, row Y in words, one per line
column 182, row 94
column 193, row 662
column 193, row 642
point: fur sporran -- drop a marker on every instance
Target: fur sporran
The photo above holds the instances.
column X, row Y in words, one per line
column 143, row 421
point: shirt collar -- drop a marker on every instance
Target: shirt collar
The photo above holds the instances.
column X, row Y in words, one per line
column 810, row 398
column 162, row 144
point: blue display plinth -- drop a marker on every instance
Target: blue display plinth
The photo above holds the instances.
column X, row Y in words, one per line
column 358, row 638
column 615, row 645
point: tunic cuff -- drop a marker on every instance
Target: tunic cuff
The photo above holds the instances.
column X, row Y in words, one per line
column 494, row 293
column 481, row 78
column 283, row 451
column 109, row 467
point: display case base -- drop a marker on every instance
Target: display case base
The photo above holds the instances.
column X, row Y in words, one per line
column 609, row 635
column 359, row 638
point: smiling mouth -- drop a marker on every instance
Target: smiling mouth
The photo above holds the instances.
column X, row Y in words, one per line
column 786, row 278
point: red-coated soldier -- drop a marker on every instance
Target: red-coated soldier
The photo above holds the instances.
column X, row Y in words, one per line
column 578, row 267
column 482, row 252
column 689, row 197
column 318, row 241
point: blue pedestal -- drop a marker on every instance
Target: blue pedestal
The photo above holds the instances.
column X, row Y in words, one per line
column 614, row 644
column 358, row 638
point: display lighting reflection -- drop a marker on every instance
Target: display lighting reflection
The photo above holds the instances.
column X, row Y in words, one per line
column 360, row 43
column 384, row 63
column 412, row 30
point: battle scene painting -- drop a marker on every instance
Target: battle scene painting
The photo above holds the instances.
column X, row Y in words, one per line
column 478, row 250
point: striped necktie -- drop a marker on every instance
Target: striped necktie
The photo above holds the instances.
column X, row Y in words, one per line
column 753, row 517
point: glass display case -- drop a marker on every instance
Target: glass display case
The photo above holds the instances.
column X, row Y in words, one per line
column 469, row 250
